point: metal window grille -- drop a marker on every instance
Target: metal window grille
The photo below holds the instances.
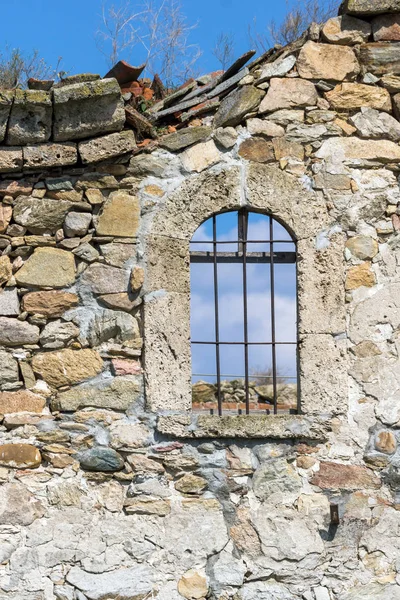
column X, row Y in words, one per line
column 245, row 256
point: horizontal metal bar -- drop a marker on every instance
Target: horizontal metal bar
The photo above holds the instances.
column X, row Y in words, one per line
column 247, row 343
column 237, row 257
column 243, row 242
column 242, row 376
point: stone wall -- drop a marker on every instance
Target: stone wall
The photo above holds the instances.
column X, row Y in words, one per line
column 110, row 487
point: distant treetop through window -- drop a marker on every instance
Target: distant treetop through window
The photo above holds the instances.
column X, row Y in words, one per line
column 244, row 315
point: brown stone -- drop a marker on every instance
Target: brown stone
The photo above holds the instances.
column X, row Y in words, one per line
column 362, row 247
column 350, row 96
column 5, row 270
column 385, row 442
column 160, row 508
column 391, row 83
column 326, row 61
column 48, row 267
column 49, row 304
column 19, row 456
column 346, row 30
column 288, row 93
column 305, row 462
column 191, row 484
column 257, row 150
column 193, row 586
column 335, row 476
column 67, row 367
column 143, row 464
column 380, row 58
column 21, row 401
column 386, row 28
column 360, row 275
column 137, row 278
column 5, row 217
column 119, row 301
column 154, row 190
column 283, row 148
column 120, row 216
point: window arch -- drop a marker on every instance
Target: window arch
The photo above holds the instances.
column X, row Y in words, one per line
column 244, row 315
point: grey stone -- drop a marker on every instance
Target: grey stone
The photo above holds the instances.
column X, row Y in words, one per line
column 49, row 155
column 86, row 252
column 118, row 394
column 374, row 591
column 381, row 58
column 133, row 583
column 103, row 279
column 267, row 590
column 87, row 109
column 18, row 506
column 10, row 159
column 107, row 146
column 275, row 477
column 76, row 224
column 226, row 136
column 147, row 164
column 288, row 93
column 373, row 124
column 6, row 99
column 9, row 374
column 9, row 302
column 386, row 28
column 30, row 119
column 279, row 68
column 371, row 7
column 17, row 333
column 58, row 184
column 236, row 105
column 286, row 116
column 101, row 459
column 185, row 137
column 41, row 215
column 56, row 334
column 80, row 78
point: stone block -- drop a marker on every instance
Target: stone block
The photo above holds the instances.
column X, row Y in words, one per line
column 356, row 152
column 9, row 374
column 352, row 96
column 9, row 302
column 49, row 155
column 5, row 217
column 278, row 68
column 236, row 105
column 327, row 61
column 21, row 401
column 30, row 119
column 67, row 367
column 41, row 215
column 120, row 216
column 335, row 476
column 200, row 157
column 167, row 265
column 5, row 270
column 371, row 7
column 107, row 146
column 257, row 150
column 133, row 582
column 102, row 279
column 101, row 459
column 346, row 30
column 87, row 109
column 50, row 304
column 185, row 137
column 115, row 394
column 380, row 58
column 288, row 93
column 373, row 124
column 76, row 224
column 19, row 456
column 386, row 28
column 10, row 159
column 17, row 333
column 48, row 267
column 264, row 127
column 6, row 99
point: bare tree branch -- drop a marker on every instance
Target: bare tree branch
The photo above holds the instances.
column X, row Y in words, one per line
column 224, row 49
column 16, row 68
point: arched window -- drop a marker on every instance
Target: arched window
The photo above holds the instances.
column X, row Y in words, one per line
column 244, row 315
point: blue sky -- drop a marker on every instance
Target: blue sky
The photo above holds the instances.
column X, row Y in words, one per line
column 67, row 28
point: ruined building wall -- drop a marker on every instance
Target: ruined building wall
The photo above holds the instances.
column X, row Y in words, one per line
column 110, row 488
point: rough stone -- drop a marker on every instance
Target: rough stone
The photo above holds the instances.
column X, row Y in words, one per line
column 49, row 155
column 18, row 506
column 226, row 136
column 200, row 156
column 147, row 164
column 87, row 109
column 47, row 267
column 118, row 394
column 278, row 68
column 192, row 585
column 335, row 476
column 103, row 279
column 108, row 146
column 326, row 61
column 50, row 304
column 67, row 367
column 56, row 334
column 236, row 105
column 9, row 374
column 76, row 224
column 159, row 508
column 391, row 83
column 386, row 28
column 120, row 301
column 191, row 484
column 374, row 591
column 5, row 270
column 371, row 7
column 17, row 333
column 288, row 93
column 380, row 58
column 41, row 215
column 264, row 127
column 284, row 148
column 257, row 150
column 133, row 583
column 9, row 302
column 373, row 124
column 101, row 459
column 360, row 275
column 6, row 99
column 21, row 401
column 185, row 137
column 19, row 456
column 120, row 216
column 10, row 159
column 346, row 30
column 30, row 119
column 275, row 477
column 385, row 442
column 352, row 96
column 362, row 247
column 5, row 217
column 354, row 151
column 126, row 434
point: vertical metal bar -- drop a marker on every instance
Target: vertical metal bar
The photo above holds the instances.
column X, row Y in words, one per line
column 297, row 331
column 216, row 312
column 243, row 231
column 273, row 332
